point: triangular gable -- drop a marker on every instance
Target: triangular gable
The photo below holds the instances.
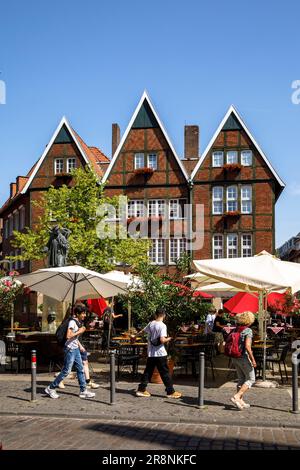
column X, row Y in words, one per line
column 63, row 130
column 63, row 137
column 232, row 118
column 144, row 111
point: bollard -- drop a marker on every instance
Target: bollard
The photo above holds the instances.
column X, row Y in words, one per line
column 295, row 364
column 33, row 375
column 112, row 377
column 201, row 381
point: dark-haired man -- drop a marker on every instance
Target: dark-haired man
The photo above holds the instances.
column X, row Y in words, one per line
column 157, row 356
column 72, row 356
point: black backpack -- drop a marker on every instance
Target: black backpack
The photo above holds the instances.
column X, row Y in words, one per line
column 61, row 332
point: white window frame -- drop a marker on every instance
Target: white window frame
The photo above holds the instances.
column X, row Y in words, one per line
column 231, row 247
column 230, row 199
column 177, row 209
column 158, row 246
column 177, row 246
column 230, row 154
column 217, row 200
column 246, row 200
column 58, row 166
column 218, row 248
column 246, row 162
column 153, row 164
column 217, row 159
column 246, row 247
column 139, row 160
column 136, row 208
column 71, row 164
column 157, row 207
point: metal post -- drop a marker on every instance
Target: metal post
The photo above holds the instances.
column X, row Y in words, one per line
column 33, row 375
column 201, row 381
column 295, row 364
column 112, row 377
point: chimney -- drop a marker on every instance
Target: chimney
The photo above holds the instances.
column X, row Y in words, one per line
column 13, row 189
column 115, row 138
column 191, row 142
column 21, row 180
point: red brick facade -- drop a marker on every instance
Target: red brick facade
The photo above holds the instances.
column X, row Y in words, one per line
column 146, row 143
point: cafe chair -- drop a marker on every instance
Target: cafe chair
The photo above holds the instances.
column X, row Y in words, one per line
column 3, row 358
column 15, row 351
column 127, row 359
column 280, row 361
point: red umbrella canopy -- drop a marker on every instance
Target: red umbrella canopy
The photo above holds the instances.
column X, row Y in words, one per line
column 243, row 301
column 97, row 305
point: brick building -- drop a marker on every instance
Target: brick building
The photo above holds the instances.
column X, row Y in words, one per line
column 233, row 181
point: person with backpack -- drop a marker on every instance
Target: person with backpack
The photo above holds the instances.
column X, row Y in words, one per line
column 157, row 356
column 72, row 355
column 238, row 347
column 61, row 339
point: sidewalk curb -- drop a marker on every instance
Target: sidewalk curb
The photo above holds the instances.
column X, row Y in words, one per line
column 208, row 421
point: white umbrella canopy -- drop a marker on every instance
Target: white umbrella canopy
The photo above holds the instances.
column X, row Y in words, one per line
column 263, row 272
column 126, row 280
column 71, row 282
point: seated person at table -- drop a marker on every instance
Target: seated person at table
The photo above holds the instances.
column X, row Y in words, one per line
column 108, row 318
column 218, row 326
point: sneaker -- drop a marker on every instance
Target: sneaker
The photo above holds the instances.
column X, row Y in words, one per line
column 143, row 394
column 245, row 405
column 61, row 385
column 237, row 403
column 175, row 395
column 51, row 392
column 86, row 394
column 92, row 384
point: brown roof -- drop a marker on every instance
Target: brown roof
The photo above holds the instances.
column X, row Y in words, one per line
column 90, row 155
column 100, row 155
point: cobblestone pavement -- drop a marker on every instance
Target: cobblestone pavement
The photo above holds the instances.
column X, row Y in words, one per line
column 269, row 407
column 47, row 433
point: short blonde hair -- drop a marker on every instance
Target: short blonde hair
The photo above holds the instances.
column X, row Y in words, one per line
column 245, row 318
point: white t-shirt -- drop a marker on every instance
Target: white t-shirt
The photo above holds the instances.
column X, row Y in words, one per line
column 156, row 329
column 209, row 323
column 73, row 343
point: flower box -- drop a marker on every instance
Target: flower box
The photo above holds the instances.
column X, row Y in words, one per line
column 231, row 214
column 63, row 175
column 144, row 171
column 232, row 167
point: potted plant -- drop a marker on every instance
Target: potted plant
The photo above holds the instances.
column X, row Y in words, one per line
column 233, row 167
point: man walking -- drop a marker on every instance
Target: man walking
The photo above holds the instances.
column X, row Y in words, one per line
column 72, row 356
column 157, row 356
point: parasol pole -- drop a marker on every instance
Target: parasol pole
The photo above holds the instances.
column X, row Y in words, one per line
column 129, row 314
column 264, row 311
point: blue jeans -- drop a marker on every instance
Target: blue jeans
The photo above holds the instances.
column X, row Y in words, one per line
column 72, row 356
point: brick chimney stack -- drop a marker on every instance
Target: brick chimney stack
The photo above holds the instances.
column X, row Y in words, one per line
column 115, row 139
column 191, row 142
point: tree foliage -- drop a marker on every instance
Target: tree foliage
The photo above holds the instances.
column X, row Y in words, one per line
column 77, row 209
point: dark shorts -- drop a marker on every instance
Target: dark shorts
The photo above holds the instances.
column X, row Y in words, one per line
column 84, row 355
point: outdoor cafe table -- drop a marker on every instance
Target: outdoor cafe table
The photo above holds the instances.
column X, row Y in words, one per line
column 17, row 329
column 276, row 329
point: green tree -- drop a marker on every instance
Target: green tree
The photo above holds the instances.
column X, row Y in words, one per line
column 77, row 209
column 179, row 303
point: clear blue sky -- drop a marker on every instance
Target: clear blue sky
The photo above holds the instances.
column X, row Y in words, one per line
column 92, row 60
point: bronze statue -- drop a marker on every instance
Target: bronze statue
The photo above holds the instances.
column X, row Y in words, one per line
column 58, row 246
